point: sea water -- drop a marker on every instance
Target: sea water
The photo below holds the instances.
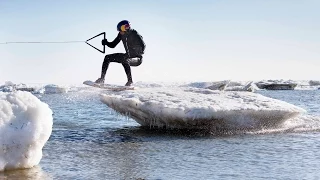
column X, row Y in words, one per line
column 91, row 141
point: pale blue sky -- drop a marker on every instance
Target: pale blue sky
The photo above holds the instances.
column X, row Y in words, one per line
column 199, row 40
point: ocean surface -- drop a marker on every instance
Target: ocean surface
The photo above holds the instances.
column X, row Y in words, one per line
column 91, row 141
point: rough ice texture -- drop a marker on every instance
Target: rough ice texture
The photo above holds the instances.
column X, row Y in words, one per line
column 55, row 89
column 25, row 127
column 198, row 108
column 34, row 89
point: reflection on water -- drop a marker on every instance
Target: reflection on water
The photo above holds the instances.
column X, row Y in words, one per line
column 133, row 153
column 35, row 173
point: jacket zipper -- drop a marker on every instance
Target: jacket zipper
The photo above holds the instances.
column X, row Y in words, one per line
column 127, row 46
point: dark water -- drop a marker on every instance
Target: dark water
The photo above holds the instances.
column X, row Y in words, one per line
column 90, row 141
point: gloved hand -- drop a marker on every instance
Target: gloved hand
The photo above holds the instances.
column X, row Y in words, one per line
column 104, row 42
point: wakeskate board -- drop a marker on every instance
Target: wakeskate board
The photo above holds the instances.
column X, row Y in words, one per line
column 110, row 87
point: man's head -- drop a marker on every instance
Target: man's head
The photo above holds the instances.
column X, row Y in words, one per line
column 123, row 26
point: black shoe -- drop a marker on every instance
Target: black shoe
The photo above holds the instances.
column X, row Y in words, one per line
column 99, row 81
column 129, row 83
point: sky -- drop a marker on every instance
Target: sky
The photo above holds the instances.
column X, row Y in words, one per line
column 203, row 40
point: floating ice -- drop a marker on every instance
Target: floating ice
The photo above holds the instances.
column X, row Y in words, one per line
column 314, row 83
column 54, row 89
column 277, row 84
column 25, row 126
column 9, row 87
column 199, row 108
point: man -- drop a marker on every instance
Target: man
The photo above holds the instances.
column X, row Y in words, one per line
column 134, row 46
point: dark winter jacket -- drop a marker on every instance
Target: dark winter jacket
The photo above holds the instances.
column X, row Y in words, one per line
column 132, row 41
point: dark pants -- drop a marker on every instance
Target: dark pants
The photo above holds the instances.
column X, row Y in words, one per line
column 122, row 58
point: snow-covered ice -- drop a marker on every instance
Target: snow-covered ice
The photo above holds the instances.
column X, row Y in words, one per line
column 54, row 89
column 25, row 127
column 35, row 89
column 189, row 107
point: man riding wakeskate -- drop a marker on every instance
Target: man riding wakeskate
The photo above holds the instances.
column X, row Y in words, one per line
column 134, row 46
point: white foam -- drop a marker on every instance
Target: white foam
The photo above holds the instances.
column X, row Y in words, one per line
column 301, row 123
column 25, row 126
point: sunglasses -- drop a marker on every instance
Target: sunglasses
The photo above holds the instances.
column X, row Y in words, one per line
column 125, row 27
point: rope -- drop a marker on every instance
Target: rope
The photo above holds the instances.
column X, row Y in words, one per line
column 43, row 42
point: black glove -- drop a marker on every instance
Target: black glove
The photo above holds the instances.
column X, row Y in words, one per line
column 104, row 42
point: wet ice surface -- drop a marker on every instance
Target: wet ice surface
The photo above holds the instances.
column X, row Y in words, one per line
column 198, row 108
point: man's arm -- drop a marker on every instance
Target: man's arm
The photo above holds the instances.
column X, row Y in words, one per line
column 143, row 45
column 140, row 40
column 112, row 44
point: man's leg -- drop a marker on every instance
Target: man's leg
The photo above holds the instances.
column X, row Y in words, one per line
column 127, row 69
column 116, row 57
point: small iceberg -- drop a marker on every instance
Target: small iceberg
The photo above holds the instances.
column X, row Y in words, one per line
column 55, row 89
column 218, row 85
column 314, row 83
column 225, row 85
column 9, row 87
column 198, row 108
column 276, row 85
column 25, row 127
